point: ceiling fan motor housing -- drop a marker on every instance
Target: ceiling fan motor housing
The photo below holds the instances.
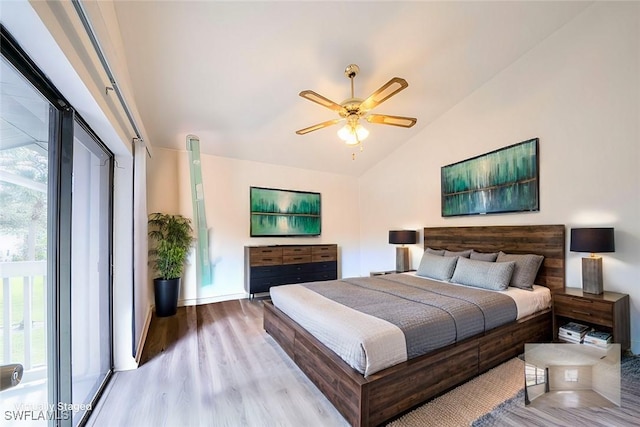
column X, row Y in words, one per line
column 351, row 106
column 351, row 71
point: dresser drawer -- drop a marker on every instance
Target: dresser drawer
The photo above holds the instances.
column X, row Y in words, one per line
column 324, row 253
column 599, row 312
column 266, row 251
column 296, row 259
column 296, row 251
column 261, row 271
column 296, row 254
column 265, row 256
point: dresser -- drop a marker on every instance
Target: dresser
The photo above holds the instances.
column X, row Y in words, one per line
column 267, row 266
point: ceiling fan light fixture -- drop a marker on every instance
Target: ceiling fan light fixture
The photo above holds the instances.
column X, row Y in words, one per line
column 353, row 135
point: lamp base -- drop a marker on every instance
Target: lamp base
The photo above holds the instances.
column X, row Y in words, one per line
column 592, row 275
column 402, row 259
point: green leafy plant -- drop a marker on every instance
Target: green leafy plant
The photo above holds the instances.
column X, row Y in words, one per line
column 171, row 237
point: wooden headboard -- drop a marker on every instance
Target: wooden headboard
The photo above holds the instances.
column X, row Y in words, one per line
column 547, row 240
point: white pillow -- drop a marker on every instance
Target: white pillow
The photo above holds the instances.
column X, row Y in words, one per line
column 436, row 266
column 483, row 274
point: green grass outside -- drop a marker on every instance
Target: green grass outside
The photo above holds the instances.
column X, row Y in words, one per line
column 38, row 312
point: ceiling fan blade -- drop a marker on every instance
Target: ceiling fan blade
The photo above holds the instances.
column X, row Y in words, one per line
column 389, row 89
column 318, row 126
column 319, row 99
column 383, row 119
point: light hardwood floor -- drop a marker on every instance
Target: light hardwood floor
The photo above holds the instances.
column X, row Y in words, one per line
column 213, row 365
column 572, row 399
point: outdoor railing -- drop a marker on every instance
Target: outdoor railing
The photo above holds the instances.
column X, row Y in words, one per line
column 23, row 329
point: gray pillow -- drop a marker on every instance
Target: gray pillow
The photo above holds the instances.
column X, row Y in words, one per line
column 526, row 269
column 434, row 251
column 481, row 256
column 464, row 254
column 436, row 266
column 483, row 274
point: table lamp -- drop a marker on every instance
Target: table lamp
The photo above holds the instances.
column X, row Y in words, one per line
column 402, row 237
column 594, row 240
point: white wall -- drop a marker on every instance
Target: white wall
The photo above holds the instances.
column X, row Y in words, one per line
column 226, row 187
column 606, row 376
column 557, row 378
column 579, row 92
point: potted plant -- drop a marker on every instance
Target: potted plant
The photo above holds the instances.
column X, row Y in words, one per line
column 171, row 237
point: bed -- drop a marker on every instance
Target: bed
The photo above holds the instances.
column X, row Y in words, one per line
column 383, row 394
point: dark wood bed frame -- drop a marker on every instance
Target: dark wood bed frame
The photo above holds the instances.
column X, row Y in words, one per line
column 372, row 400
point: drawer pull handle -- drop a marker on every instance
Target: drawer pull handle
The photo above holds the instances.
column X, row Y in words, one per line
column 581, row 300
column 586, row 313
column 268, row 259
column 297, row 257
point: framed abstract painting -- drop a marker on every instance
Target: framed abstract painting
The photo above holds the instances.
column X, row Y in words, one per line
column 504, row 180
column 284, row 213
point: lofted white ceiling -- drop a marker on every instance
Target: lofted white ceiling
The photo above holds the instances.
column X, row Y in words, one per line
column 230, row 72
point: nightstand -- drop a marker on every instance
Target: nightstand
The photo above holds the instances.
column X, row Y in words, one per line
column 608, row 312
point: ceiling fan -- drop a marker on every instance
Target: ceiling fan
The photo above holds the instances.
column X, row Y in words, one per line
column 353, row 109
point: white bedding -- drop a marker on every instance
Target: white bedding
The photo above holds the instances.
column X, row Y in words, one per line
column 369, row 344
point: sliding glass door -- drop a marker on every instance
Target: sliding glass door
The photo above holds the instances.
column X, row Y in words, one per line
column 24, row 169
column 90, row 269
column 55, row 250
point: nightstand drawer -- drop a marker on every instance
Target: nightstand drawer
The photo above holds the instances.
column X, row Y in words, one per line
column 584, row 309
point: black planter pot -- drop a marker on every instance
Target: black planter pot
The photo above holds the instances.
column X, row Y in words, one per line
column 166, row 295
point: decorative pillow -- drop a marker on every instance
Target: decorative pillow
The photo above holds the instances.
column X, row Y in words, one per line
column 483, row 274
column 436, row 266
column 463, row 254
column 481, row 256
column 526, row 269
column 434, row 251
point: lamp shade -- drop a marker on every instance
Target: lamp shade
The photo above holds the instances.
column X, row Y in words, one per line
column 594, row 240
column 402, row 237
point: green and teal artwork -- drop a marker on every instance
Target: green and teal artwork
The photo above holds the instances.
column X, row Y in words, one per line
column 504, row 180
column 279, row 213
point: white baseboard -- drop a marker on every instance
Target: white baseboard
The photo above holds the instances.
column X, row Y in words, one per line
column 209, row 300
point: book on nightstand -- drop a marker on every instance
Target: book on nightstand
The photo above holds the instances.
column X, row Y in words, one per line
column 597, row 338
column 570, row 340
column 573, row 332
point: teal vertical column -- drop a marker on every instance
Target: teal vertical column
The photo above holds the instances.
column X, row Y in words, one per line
column 203, row 260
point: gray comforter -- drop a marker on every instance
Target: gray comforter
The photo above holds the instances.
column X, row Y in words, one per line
column 431, row 314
